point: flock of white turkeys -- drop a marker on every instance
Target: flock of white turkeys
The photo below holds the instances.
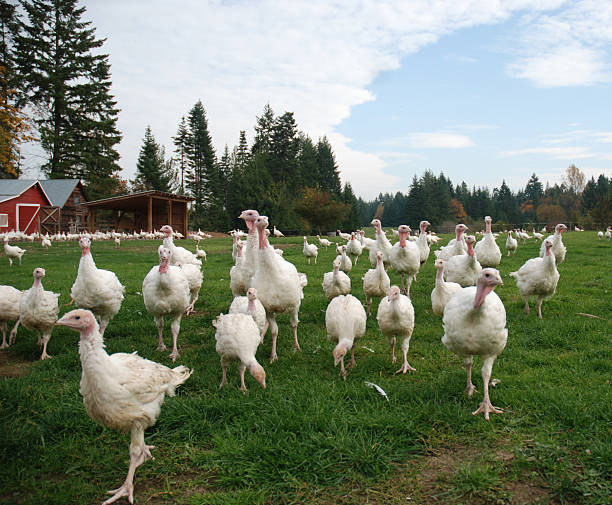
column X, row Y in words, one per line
column 125, row 392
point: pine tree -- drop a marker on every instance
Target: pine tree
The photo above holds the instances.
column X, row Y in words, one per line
column 181, row 145
column 351, row 221
column 202, row 179
column 307, row 159
column 263, row 131
column 329, row 178
column 283, row 164
column 153, row 171
column 242, row 155
column 67, row 81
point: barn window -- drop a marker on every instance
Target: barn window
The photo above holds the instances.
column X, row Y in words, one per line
column 3, row 220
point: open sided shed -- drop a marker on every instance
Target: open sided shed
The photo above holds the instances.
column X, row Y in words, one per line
column 147, row 210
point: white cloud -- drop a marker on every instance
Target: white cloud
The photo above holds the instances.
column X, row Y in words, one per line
column 563, row 66
column 567, row 48
column 438, row 140
column 558, row 153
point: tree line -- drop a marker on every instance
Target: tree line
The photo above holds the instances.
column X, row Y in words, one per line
column 435, row 198
column 284, row 174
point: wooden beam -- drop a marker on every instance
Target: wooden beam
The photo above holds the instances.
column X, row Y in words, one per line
column 185, row 221
column 150, row 216
column 92, row 220
column 170, row 213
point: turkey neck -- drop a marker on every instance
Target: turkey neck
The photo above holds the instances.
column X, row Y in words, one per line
column 91, row 349
column 251, row 308
column 488, row 227
column 86, row 261
column 402, row 241
column 439, row 276
column 470, row 250
column 263, row 240
column 482, row 291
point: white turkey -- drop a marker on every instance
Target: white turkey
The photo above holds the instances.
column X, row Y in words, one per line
column 165, row 290
column 608, row 232
column 405, row 258
column 200, row 253
column 600, row 235
column 324, row 242
column 558, row 249
column 240, row 276
column 252, row 242
column 336, row 283
column 96, row 289
column 346, row 265
column 310, row 251
column 538, row 277
column 121, row 391
column 382, row 244
column 195, row 278
column 46, row 242
column 237, row 338
column 376, row 282
column 277, row 233
column 511, row 243
column 443, row 291
column 178, row 253
column 38, row 311
column 345, row 321
column 279, row 286
column 12, row 251
column 367, row 243
column 9, row 311
column 251, row 306
column 354, row 248
column 344, row 236
column 396, row 320
column 475, row 325
column 423, row 242
column 455, row 246
column 487, row 250
column 463, row 269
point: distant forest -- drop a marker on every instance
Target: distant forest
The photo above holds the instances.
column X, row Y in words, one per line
column 435, row 198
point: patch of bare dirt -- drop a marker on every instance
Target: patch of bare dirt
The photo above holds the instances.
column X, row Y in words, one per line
column 11, row 367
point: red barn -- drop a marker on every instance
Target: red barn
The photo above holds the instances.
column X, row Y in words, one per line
column 20, row 203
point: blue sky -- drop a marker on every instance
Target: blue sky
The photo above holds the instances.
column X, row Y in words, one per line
column 483, row 90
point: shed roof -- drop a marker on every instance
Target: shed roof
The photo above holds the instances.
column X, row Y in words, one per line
column 12, row 188
column 136, row 200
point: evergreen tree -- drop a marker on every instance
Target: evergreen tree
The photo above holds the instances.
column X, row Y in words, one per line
column 352, row 220
column 506, row 206
column 153, row 171
column 534, row 190
column 283, row 149
column 307, row 159
column 263, row 131
column 202, row 179
column 181, row 146
column 67, row 81
column 242, row 156
column 329, row 178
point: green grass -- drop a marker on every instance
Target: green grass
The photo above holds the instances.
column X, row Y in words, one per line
column 311, row 437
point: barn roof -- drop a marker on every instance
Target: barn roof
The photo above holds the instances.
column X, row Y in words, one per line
column 12, row 188
column 58, row 190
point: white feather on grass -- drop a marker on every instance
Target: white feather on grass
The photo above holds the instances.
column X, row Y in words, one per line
column 379, row 390
column 368, row 349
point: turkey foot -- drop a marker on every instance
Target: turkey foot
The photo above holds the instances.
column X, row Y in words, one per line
column 405, row 367
column 470, row 389
column 161, row 347
column 486, row 408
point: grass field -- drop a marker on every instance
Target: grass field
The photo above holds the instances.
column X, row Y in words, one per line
column 311, row 437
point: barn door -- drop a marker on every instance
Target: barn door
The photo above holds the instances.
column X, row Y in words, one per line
column 27, row 217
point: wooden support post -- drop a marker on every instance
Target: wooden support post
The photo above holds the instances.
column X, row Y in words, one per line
column 150, row 216
column 186, row 221
column 92, row 220
column 170, row 214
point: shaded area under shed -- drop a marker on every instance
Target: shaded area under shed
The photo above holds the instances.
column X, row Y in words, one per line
column 148, row 210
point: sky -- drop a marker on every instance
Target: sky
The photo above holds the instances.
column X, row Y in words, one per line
column 481, row 90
